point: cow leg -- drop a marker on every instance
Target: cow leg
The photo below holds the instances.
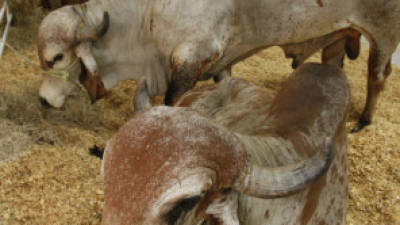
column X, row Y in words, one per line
column 142, row 100
column 189, row 62
column 379, row 68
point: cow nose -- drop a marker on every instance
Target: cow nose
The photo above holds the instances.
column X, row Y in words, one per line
column 44, row 102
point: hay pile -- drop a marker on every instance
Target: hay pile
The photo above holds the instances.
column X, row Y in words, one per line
column 48, row 177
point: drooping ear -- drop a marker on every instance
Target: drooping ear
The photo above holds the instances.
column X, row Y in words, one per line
column 83, row 51
column 89, row 77
column 93, row 85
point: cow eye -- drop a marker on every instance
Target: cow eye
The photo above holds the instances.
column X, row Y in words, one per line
column 58, row 57
column 182, row 206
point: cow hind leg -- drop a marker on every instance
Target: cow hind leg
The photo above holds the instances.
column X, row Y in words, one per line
column 189, row 61
column 379, row 68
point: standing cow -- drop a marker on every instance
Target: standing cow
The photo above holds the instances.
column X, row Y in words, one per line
column 47, row 3
column 167, row 45
column 232, row 154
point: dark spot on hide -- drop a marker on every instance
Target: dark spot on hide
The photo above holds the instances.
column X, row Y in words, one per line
column 266, row 214
column 341, row 179
column 312, row 200
column 334, row 172
column 320, row 3
column 339, row 213
column 151, row 25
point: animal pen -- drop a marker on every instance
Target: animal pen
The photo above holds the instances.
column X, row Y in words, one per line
column 47, row 175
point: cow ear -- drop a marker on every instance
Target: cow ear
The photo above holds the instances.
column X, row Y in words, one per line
column 224, row 209
column 89, row 77
column 93, row 85
column 84, row 52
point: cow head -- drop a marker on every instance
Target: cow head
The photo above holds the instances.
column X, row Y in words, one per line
column 64, row 46
column 170, row 165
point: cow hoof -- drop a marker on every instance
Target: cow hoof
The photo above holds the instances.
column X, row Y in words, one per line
column 295, row 64
column 14, row 19
column 96, row 151
column 360, row 125
column 168, row 99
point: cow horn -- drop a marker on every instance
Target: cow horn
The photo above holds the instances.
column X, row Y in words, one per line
column 263, row 182
column 87, row 32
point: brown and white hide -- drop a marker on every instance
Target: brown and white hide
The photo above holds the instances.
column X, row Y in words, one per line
column 182, row 165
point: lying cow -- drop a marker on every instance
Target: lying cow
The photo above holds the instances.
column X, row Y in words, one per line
column 167, row 46
column 233, row 154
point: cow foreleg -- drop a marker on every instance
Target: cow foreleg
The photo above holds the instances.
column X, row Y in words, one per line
column 188, row 63
column 142, row 100
column 379, row 68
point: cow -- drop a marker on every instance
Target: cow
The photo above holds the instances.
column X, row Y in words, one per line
column 166, row 46
column 232, row 153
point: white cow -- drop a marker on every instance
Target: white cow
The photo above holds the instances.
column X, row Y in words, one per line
column 167, row 45
column 234, row 154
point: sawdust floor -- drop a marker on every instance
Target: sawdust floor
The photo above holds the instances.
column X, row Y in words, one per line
column 48, row 177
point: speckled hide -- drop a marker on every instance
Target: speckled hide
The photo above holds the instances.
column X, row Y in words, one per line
column 180, row 165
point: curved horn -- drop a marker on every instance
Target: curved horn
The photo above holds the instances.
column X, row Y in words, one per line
column 87, row 32
column 276, row 182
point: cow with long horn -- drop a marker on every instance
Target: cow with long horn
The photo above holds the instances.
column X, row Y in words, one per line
column 234, row 154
